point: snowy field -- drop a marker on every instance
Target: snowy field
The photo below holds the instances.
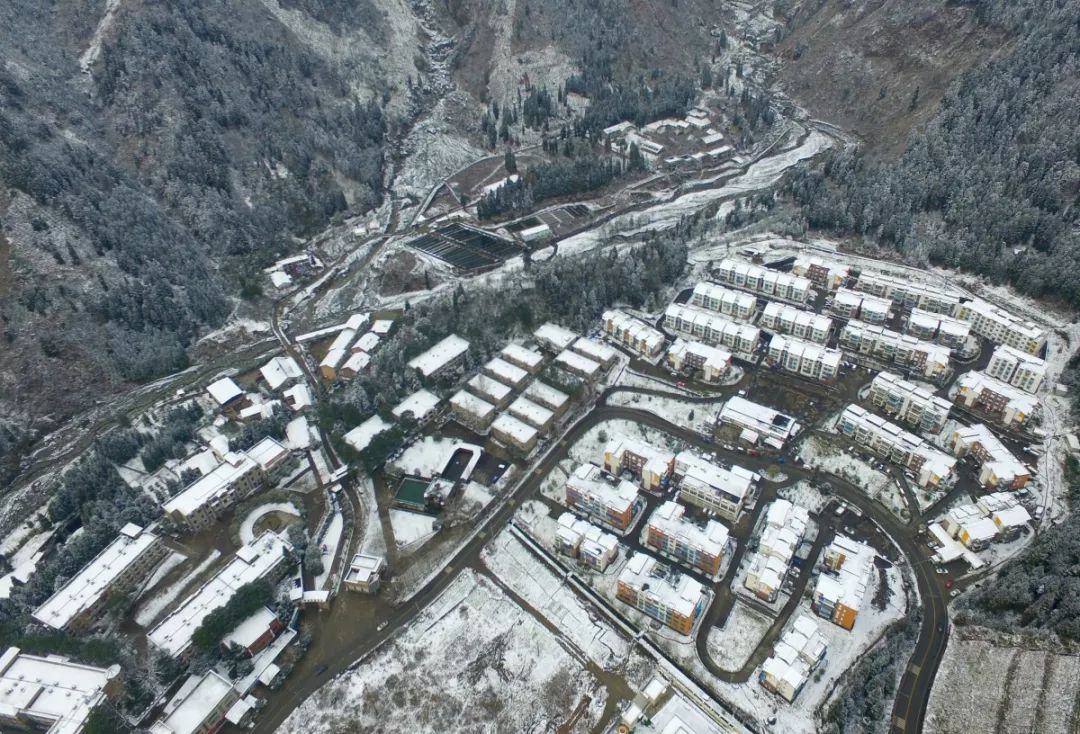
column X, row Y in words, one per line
column 372, row 542
column 695, row 416
column 535, row 582
column 473, row 661
column 827, row 456
column 804, row 494
column 732, row 645
column 988, row 684
column 411, row 529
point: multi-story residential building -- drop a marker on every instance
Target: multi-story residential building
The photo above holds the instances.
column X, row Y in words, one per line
column 239, row 474
column 643, row 460
column 523, row 357
column 1006, row 512
column 471, row 411
column 804, row 358
column 121, row 566
column 764, row 281
column 262, row 558
column 849, row 304
column 712, row 328
column 970, row 526
column 784, row 319
column 998, row 468
column 1017, row 368
column 554, row 337
column 445, row 356
column 699, row 546
column 600, row 353
column 782, row 532
column 824, row 275
column 632, row 333
column 916, row 406
column 51, row 693
column 710, row 487
column 1000, row 326
column 908, row 293
column 506, row 373
column 199, row 707
column 339, row 348
column 794, row 658
column 610, row 503
column 931, row 467
column 841, row 588
column 759, row 424
column 542, row 394
column 1000, row 401
column 535, row 415
column 736, row 305
column 582, row 540
column 670, row 597
column 923, row 358
column 712, row 363
column 941, row 329
column 578, row 365
column 514, row 433
column 491, row 390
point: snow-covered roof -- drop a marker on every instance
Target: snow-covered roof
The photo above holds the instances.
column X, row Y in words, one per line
column 594, row 350
column 555, row 335
column 299, row 395
column 519, row 431
column 268, row 453
column 577, row 363
column 298, row 434
column 251, row 563
column 209, row 486
column 667, row 589
column 522, row 356
column 588, row 481
column 366, row 343
column 758, row 418
column 849, row 582
column 991, row 451
column 248, row 632
column 280, row 370
column 488, row 387
column 735, row 482
column 188, row 710
column 51, row 691
column 440, row 355
column 357, row 362
column 669, row 519
column 224, row 390
column 546, row 395
column 533, row 414
column 421, row 404
column 502, row 370
column 381, row 326
column 86, row 587
column 469, row 403
column 361, row 436
column 897, row 439
column 365, row 567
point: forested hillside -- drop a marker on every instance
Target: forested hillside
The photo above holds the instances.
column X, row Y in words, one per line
column 990, row 185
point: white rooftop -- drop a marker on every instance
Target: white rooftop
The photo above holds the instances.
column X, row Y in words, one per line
column 439, row 355
column 188, row 710
column 594, row 350
column 421, row 404
column 519, row 430
column 577, row 363
column 361, row 436
column 533, row 414
column 522, row 355
column 555, row 335
column 544, row 394
column 669, row 519
column 248, row 632
column 204, row 489
column 469, row 403
column 758, row 418
column 52, row 690
column 381, row 326
column 489, row 387
column 86, row 587
column 280, row 370
column 367, row 342
column 224, row 390
column 671, row 589
column 503, row 370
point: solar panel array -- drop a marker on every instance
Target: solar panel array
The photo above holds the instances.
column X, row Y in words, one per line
column 465, row 248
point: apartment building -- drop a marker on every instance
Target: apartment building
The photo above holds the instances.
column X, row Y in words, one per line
column 804, row 358
column 542, row 394
column 794, row 658
column 506, row 373
column 1017, row 368
column 1000, row 326
column 610, row 503
column 844, row 584
column 823, row 274
column 672, row 598
column 514, row 433
column 491, row 390
column 535, row 415
column 586, row 542
column 1000, row 401
column 998, row 467
column 759, row 423
column 339, row 348
column 123, row 564
column 199, row 707
column 908, row 293
column 262, row 558
column 442, row 358
column 923, row 358
column 763, row 281
column 712, row 328
column 1006, row 512
column 736, row 305
column 907, row 402
column 554, row 337
column 941, row 329
column 643, row 460
column 931, row 467
column 523, row 357
column 52, row 693
column 710, row 487
column 472, row 412
column 699, row 546
column 600, row 353
column 633, row 333
column 782, row 532
column 970, row 526
column 784, row 319
column 578, row 365
column 711, row 363
column 849, row 304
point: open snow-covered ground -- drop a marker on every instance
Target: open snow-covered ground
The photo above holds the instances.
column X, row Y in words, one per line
column 991, row 683
column 411, row 529
column 425, row 457
column 732, row 645
column 695, row 416
column 247, row 527
column 473, row 661
column 549, row 595
column 162, row 600
column 828, row 456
